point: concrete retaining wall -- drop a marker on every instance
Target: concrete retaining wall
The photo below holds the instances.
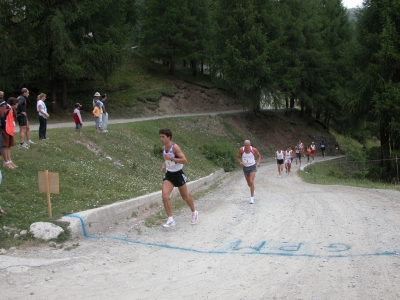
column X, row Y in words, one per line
column 99, row 219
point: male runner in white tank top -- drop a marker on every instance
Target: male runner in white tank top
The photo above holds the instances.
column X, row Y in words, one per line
column 246, row 158
column 279, row 156
column 174, row 159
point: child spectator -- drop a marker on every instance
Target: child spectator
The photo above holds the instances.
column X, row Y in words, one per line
column 78, row 118
column 96, row 113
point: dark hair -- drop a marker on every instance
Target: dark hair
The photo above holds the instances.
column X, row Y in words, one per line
column 166, row 131
column 12, row 101
column 104, row 95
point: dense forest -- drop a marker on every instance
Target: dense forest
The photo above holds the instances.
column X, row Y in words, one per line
column 306, row 54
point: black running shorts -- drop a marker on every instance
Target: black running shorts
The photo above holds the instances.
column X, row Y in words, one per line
column 22, row 120
column 177, row 178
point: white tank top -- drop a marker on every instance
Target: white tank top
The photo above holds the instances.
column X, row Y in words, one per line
column 172, row 166
column 279, row 155
column 248, row 158
column 288, row 154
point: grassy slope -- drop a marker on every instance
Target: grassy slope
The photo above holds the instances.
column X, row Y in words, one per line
column 90, row 168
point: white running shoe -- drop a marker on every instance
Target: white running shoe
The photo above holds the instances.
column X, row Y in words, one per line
column 251, row 201
column 195, row 217
column 24, row 145
column 169, row 223
column 31, row 142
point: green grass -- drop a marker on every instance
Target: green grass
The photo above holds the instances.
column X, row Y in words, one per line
column 339, row 172
column 96, row 169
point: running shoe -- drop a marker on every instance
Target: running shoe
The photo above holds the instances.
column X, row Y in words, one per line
column 251, row 201
column 24, row 145
column 31, row 142
column 169, row 224
column 195, row 217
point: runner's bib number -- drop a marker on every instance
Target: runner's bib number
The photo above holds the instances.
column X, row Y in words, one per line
column 170, row 163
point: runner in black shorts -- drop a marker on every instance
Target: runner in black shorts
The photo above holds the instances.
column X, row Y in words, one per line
column 322, row 146
column 176, row 178
column 174, row 159
column 279, row 155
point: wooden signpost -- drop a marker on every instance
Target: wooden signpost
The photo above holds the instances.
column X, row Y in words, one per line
column 48, row 183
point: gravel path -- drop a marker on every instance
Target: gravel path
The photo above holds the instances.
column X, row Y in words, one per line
column 298, row 241
column 35, row 127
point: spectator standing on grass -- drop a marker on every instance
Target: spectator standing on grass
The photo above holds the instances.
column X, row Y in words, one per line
column 95, row 100
column 246, row 157
column 43, row 116
column 105, row 113
column 22, row 118
column 7, row 132
column 96, row 113
column 78, row 118
column 174, row 159
column 3, row 108
column 279, row 156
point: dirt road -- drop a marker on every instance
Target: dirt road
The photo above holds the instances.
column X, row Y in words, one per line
column 298, row 241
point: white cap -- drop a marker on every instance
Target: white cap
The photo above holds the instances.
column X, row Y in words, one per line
column 97, row 94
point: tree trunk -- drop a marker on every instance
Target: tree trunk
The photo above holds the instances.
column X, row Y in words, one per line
column 292, row 98
column 194, row 67
column 302, row 107
column 171, row 67
column 53, row 97
column 202, row 66
column 64, row 98
column 385, row 151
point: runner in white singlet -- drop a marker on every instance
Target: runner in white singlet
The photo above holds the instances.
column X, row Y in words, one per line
column 279, row 156
column 288, row 159
column 246, row 158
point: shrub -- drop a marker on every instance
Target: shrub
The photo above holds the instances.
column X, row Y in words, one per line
column 221, row 154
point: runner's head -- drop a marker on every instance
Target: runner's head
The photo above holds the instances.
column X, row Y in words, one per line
column 167, row 132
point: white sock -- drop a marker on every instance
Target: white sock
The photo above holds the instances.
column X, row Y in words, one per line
column 170, row 219
column 251, row 198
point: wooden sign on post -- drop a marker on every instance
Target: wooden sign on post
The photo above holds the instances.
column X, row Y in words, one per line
column 48, row 183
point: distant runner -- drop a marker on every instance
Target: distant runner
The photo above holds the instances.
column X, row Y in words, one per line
column 288, row 159
column 322, row 146
column 298, row 154
column 313, row 150
column 279, row 156
column 246, row 157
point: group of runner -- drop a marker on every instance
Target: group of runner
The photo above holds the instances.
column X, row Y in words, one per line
column 247, row 156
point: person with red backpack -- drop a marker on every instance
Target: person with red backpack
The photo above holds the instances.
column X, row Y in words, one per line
column 246, row 157
column 7, row 132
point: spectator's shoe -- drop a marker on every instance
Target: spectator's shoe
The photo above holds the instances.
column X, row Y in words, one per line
column 169, row 223
column 8, row 166
column 31, row 142
column 195, row 217
column 24, row 145
column 14, row 165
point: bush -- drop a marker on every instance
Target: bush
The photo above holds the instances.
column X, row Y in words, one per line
column 221, row 154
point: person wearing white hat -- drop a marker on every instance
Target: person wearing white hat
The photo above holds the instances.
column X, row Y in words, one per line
column 95, row 100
